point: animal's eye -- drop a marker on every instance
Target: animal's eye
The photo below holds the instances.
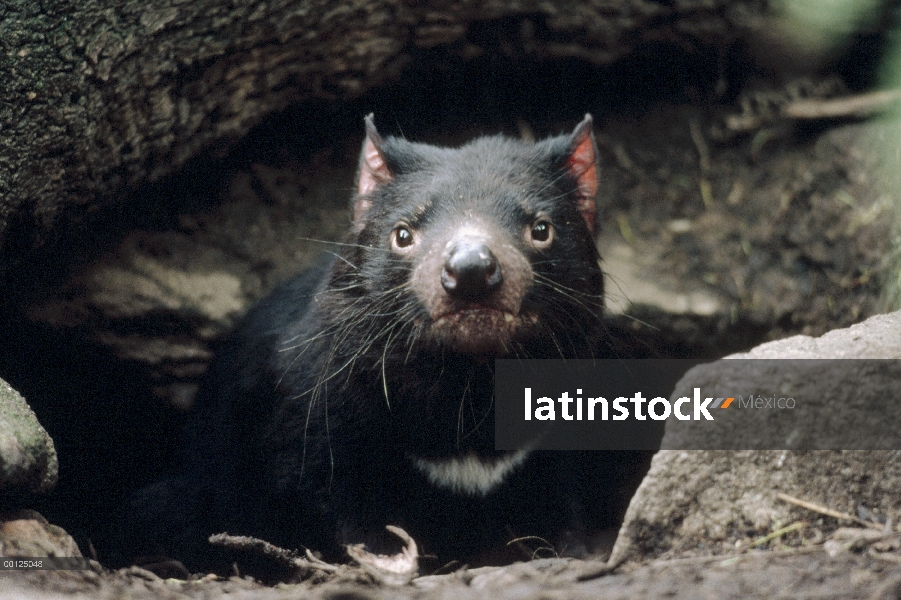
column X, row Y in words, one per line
column 541, row 234
column 402, row 237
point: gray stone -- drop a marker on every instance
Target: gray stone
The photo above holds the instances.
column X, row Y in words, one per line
column 710, row 501
column 877, row 337
column 28, row 534
column 27, row 455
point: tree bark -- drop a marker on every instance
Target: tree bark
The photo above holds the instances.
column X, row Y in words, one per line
column 100, row 96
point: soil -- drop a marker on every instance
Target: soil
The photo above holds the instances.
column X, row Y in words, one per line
column 810, row 573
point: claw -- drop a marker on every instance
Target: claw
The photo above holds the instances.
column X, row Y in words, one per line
column 395, row 570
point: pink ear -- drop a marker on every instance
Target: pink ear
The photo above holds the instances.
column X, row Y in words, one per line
column 582, row 165
column 373, row 172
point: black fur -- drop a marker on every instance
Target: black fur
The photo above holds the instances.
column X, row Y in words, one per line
column 315, row 410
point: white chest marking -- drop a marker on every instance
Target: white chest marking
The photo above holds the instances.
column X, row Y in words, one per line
column 470, row 475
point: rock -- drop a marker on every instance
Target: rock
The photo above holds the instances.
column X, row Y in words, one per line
column 27, row 456
column 877, row 337
column 158, row 299
column 709, row 500
column 26, row 533
column 638, row 284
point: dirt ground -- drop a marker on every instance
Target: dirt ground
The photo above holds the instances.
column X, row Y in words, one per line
column 806, row 573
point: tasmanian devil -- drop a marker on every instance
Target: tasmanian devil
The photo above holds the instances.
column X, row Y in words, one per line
column 359, row 394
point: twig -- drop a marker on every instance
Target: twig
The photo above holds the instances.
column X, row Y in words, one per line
column 858, row 106
column 827, row 511
column 884, row 555
column 319, row 563
column 697, row 136
column 288, row 557
column 518, row 542
column 778, row 533
column 861, row 105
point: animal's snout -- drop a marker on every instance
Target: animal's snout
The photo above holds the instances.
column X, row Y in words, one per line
column 471, row 271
